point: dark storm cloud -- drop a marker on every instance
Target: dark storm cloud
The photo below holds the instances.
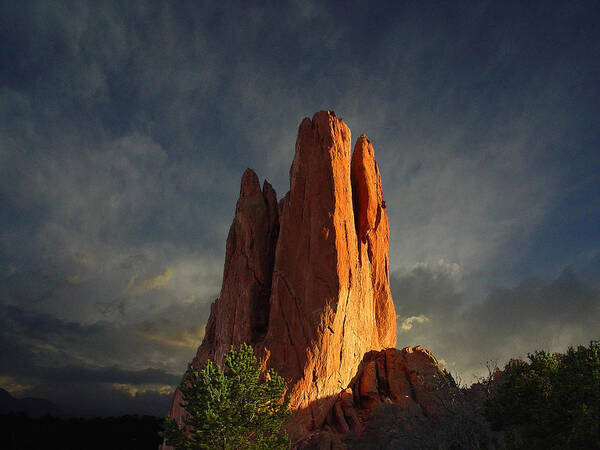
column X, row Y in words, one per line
column 112, row 374
column 20, row 361
column 161, row 340
column 181, row 91
column 125, row 128
column 140, row 362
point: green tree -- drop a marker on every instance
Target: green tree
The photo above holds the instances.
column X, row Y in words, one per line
column 552, row 401
column 234, row 408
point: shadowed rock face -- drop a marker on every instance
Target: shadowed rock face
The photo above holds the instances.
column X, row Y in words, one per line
column 241, row 313
column 307, row 282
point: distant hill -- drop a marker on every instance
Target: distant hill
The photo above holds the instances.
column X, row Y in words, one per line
column 34, row 407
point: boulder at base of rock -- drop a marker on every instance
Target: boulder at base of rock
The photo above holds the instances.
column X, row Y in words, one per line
column 410, row 379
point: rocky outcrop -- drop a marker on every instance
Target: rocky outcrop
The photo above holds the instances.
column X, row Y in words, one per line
column 410, row 379
column 306, row 282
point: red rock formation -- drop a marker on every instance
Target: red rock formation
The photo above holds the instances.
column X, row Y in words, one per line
column 241, row 312
column 324, row 301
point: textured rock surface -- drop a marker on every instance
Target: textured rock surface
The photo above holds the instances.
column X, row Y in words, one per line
column 373, row 233
column 307, row 283
column 410, row 377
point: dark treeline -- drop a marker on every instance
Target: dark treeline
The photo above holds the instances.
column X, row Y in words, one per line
column 18, row 431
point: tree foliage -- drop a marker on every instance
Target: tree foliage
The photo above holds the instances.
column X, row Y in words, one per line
column 234, row 408
column 551, row 401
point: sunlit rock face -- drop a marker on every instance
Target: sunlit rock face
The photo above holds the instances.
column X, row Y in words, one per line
column 306, row 282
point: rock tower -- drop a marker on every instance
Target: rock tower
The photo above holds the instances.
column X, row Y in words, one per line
column 306, row 280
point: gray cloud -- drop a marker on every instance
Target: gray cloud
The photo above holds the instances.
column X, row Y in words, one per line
column 508, row 322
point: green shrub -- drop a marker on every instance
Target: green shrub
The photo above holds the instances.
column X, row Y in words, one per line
column 234, row 408
column 552, row 401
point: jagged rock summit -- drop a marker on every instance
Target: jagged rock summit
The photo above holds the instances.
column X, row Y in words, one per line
column 306, row 281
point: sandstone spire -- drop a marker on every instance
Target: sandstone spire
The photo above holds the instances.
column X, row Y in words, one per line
column 307, row 283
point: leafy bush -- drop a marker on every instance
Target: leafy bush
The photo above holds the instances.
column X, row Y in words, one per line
column 234, row 408
column 552, row 401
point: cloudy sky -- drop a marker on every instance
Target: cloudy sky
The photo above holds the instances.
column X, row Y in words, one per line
column 125, row 128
